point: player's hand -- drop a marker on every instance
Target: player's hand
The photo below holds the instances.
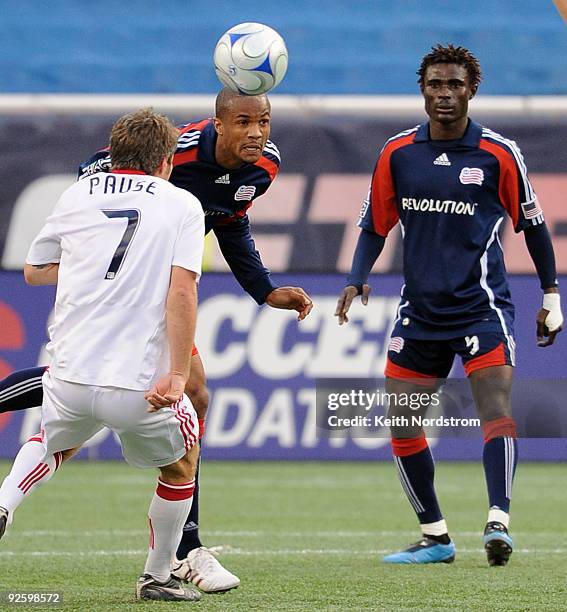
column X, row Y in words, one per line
column 549, row 319
column 168, row 390
column 345, row 300
column 291, row 298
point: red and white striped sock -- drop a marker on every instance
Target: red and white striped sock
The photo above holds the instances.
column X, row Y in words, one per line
column 169, row 507
column 30, row 470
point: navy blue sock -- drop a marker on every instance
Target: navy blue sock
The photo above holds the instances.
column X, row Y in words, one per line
column 499, row 457
column 21, row 390
column 190, row 536
column 417, row 474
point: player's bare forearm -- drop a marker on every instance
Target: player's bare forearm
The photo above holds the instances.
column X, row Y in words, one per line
column 181, row 319
column 562, row 8
column 42, row 274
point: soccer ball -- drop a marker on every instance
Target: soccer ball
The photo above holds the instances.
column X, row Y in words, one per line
column 250, row 58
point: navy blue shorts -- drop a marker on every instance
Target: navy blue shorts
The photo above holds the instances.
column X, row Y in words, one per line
column 412, row 358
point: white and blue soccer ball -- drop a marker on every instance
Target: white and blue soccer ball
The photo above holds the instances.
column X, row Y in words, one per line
column 250, row 58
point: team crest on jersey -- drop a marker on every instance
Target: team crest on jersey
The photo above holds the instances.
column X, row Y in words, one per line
column 471, row 175
column 396, row 344
column 245, row 192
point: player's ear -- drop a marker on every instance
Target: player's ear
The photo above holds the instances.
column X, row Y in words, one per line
column 165, row 168
column 218, row 126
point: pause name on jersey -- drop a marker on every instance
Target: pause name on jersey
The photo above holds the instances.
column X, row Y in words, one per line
column 120, row 184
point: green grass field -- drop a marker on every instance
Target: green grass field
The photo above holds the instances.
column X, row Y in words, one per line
column 301, row 536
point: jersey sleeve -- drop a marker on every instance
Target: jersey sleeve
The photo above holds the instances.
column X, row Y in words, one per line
column 270, row 161
column 379, row 213
column 514, row 187
column 46, row 248
column 239, row 250
column 190, row 242
column 529, row 212
column 188, row 142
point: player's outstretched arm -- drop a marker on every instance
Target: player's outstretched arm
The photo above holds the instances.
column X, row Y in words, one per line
column 368, row 248
column 238, row 248
column 549, row 320
column 291, row 298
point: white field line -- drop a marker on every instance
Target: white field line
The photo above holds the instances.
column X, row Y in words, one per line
column 259, row 533
column 258, row 553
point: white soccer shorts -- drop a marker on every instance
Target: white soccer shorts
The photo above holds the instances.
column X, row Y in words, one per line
column 72, row 413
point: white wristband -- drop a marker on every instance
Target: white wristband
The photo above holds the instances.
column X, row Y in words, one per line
column 552, row 302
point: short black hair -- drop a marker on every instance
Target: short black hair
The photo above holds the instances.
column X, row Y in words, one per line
column 451, row 55
column 226, row 97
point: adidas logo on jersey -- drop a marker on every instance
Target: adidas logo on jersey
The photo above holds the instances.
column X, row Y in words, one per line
column 442, row 160
column 224, row 179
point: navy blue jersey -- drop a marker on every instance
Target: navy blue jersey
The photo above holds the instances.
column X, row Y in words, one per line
column 450, row 198
column 225, row 196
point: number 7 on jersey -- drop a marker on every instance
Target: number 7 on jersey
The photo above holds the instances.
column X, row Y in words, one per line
column 133, row 216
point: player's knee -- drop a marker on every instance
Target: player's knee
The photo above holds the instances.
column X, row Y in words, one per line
column 407, row 403
column 183, row 470
column 493, row 412
column 493, row 396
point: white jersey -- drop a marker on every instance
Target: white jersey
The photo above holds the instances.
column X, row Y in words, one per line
column 116, row 237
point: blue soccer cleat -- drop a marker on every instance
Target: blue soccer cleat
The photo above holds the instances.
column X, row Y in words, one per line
column 424, row 551
column 497, row 543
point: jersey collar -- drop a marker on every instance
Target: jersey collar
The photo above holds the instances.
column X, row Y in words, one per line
column 470, row 139
column 126, row 171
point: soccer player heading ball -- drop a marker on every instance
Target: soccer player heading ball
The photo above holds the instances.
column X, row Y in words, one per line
column 449, row 183
column 227, row 162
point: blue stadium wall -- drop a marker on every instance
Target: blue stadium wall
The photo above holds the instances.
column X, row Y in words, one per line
column 336, row 46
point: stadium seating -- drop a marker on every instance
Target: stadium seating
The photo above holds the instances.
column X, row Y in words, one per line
column 365, row 47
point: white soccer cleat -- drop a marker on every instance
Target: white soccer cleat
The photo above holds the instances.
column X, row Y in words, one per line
column 204, row 570
column 148, row 588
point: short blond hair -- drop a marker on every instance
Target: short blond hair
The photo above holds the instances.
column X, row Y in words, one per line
column 141, row 140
